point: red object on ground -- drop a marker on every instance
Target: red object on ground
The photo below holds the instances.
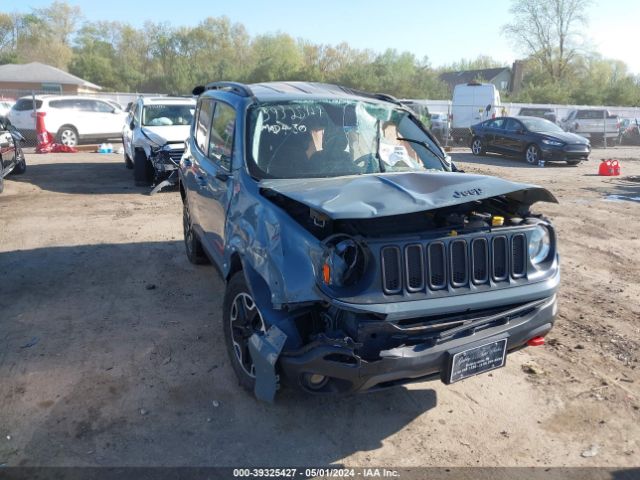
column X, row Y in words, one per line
column 605, row 169
column 536, row 342
column 45, row 139
column 615, row 166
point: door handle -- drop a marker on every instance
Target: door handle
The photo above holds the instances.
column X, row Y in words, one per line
column 201, row 181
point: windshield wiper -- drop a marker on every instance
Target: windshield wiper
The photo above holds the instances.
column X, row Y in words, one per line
column 433, row 152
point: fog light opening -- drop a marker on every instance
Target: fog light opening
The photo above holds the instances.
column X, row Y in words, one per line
column 315, row 381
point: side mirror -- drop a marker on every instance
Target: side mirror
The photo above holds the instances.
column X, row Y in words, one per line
column 132, row 125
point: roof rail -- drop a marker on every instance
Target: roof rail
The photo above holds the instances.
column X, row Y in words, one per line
column 235, row 87
column 380, row 96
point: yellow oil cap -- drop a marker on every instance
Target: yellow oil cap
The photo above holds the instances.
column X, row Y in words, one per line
column 497, row 221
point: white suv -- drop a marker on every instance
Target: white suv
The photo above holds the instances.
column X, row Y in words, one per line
column 69, row 118
column 154, row 136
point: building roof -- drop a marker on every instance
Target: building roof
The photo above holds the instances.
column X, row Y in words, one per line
column 36, row 72
column 466, row 76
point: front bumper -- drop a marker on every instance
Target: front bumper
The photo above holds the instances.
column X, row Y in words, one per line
column 565, row 153
column 346, row 372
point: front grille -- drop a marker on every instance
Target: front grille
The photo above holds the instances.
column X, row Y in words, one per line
column 518, row 255
column 480, row 260
column 454, row 263
column 176, row 155
column 437, row 266
column 414, row 259
column 391, row 270
column 500, row 259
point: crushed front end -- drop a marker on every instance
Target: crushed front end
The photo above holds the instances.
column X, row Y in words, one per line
column 402, row 295
column 165, row 161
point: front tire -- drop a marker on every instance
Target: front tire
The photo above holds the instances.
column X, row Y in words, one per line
column 67, row 135
column 20, row 167
column 477, row 148
column 532, row 154
column 241, row 319
column 193, row 247
column 142, row 169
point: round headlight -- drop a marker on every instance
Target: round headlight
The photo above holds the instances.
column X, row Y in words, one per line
column 344, row 262
column 539, row 245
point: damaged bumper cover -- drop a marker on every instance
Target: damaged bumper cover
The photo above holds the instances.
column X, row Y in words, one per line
column 336, row 368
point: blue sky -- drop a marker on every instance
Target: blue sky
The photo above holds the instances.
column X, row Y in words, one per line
column 445, row 31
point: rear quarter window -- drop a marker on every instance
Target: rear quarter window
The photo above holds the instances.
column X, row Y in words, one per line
column 25, row 104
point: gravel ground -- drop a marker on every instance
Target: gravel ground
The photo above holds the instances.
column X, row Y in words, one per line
column 111, row 350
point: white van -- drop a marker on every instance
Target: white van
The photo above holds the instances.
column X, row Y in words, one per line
column 69, row 118
column 473, row 103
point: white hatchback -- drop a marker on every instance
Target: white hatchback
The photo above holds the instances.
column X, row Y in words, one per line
column 69, row 118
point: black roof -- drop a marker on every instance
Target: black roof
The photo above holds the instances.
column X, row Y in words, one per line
column 284, row 91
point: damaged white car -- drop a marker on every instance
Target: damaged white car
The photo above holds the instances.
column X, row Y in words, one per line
column 153, row 139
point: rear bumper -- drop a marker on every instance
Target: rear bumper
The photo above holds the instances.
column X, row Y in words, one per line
column 346, row 372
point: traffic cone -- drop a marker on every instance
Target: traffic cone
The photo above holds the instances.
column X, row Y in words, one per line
column 45, row 139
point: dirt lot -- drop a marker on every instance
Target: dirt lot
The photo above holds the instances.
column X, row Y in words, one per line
column 111, row 350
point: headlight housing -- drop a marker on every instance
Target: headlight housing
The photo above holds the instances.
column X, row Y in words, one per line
column 539, row 245
column 344, row 262
column 554, row 143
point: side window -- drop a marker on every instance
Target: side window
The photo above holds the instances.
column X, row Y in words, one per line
column 497, row 123
column 85, row 105
column 66, row 104
column 512, row 125
column 221, row 137
column 203, row 123
column 103, row 107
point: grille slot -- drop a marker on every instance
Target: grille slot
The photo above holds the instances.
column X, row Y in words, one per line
column 414, row 263
column 458, row 263
column 500, row 258
column 437, row 266
column 391, row 270
column 518, row 255
column 480, row 260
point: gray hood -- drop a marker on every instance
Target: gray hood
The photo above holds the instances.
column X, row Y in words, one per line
column 379, row 195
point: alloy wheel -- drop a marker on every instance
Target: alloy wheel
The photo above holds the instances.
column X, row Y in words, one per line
column 476, row 146
column 245, row 320
column 69, row 138
column 532, row 154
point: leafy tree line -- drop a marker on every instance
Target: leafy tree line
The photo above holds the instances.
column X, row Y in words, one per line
column 168, row 59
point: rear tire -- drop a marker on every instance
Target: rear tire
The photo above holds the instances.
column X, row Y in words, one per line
column 241, row 318
column 67, row 135
column 142, row 169
column 193, row 247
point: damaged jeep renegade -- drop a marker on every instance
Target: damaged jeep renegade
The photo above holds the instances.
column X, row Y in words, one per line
column 356, row 256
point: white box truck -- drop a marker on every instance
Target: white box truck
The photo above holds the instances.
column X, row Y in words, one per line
column 473, row 103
